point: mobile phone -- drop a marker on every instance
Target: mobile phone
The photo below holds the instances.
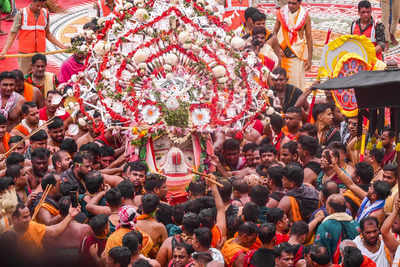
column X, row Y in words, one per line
column 328, row 157
column 74, row 198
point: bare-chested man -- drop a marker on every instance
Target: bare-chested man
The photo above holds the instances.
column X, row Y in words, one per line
column 10, row 101
column 28, row 91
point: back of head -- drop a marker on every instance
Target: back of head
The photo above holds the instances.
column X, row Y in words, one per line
column 382, row 189
column 98, row 224
column 274, row 215
column 276, row 122
column 15, row 158
column 230, row 145
column 40, row 153
column 365, row 171
column 259, row 194
column 249, row 12
column 190, row 222
column 150, row 203
column 19, row 75
column 153, row 181
column 294, row 173
column 113, row 197
column 93, row 181
column 329, row 188
column 80, row 156
column 14, row 170
column 377, row 154
column 207, row 217
column 266, row 233
column 309, row 144
column 299, row 228
column 197, row 188
column 92, row 147
column 203, row 236
column 131, row 241
column 240, row 186
column 40, row 135
column 248, row 228
column 226, row 190
column 337, row 202
column 320, row 108
column 309, row 129
column 352, row 257
column 120, row 255
column 320, row 254
column 63, row 205
column 258, row 16
column 250, row 212
column 276, row 173
column 164, row 213
column 48, row 179
column 141, row 263
column 127, row 189
column 69, row 145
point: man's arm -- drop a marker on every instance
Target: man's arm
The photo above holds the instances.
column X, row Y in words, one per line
column 277, row 26
column 387, row 235
column 162, row 255
column 12, row 35
column 309, row 44
column 348, row 182
column 57, row 229
column 276, row 47
column 93, row 207
column 380, row 37
column 45, row 217
column 219, row 204
column 39, row 99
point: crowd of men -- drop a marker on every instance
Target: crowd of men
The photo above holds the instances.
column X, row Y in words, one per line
column 293, row 190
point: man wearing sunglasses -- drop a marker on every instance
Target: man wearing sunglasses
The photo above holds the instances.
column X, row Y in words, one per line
column 31, row 24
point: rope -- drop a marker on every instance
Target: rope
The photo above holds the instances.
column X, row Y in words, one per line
column 32, row 54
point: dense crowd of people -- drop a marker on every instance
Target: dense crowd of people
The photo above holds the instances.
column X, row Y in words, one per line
column 291, row 189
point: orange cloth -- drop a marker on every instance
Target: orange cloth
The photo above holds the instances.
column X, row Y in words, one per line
column 348, row 193
column 53, row 211
column 6, row 139
column 256, row 245
column 115, row 240
column 22, row 129
column 295, row 210
column 216, row 236
column 33, row 237
column 28, row 92
column 231, row 250
column 32, row 34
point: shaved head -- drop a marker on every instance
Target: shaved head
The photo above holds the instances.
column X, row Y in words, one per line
column 336, row 203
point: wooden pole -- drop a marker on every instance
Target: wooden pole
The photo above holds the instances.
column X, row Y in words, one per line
column 208, row 178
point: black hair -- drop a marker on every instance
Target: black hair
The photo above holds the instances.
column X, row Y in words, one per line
column 280, row 71
column 268, row 149
column 190, row 222
column 276, row 173
column 121, row 255
column 6, row 182
column 258, row 16
column 203, row 236
column 276, row 122
column 310, row 129
column 381, row 189
column 93, row 182
column 226, row 190
column 56, row 123
column 299, row 228
column 364, row 4
column 113, row 197
column 63, row 205
column 14, row 158
column 20, row 206
column 48, row 179
column 141, row 263
column 294, row 173
column 154, row 181
column 150, row 203
column 259, row 194
column 309, row 144
column 3, row 119
column 80, row 156
column 19, row 75
column 106, row 151
column 248, row 228
column 14, row 170
column 98, row 223
column 135, row 166
column 319, row 254
column 352, row 257
column 259, row 30
column 14, row 139
column 274, row 215
column 57, row 157
column 390, row 131
column 241, row 186
column 377, row 154
column 338, row 146
column 329, row 190
column 337, row 206
column 197, row 188
column 230, row 144
column 320, row 108
column 208, row 217
column 138, row 234
column 37, row 57
column 391, row 167
column 164, row 213
column 249, row 12
column 131, row 241
column 366, row 220
column 126, row 189
column 266, row 232
column 250, row 212
column 92, row 148
column 365, row 171
column 293, row 109
column 40, row 153
column 26, row 106
column 249, row 147
column 69, row 145
column 182, row 245
column 52, row 92
column 40, row 135
column 7, row 75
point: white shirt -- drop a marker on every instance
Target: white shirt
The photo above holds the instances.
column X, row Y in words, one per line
column 379, row 257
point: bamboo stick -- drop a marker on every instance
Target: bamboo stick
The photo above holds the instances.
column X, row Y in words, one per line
column 208, row 178
column 32, row 54
column 42, row 199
